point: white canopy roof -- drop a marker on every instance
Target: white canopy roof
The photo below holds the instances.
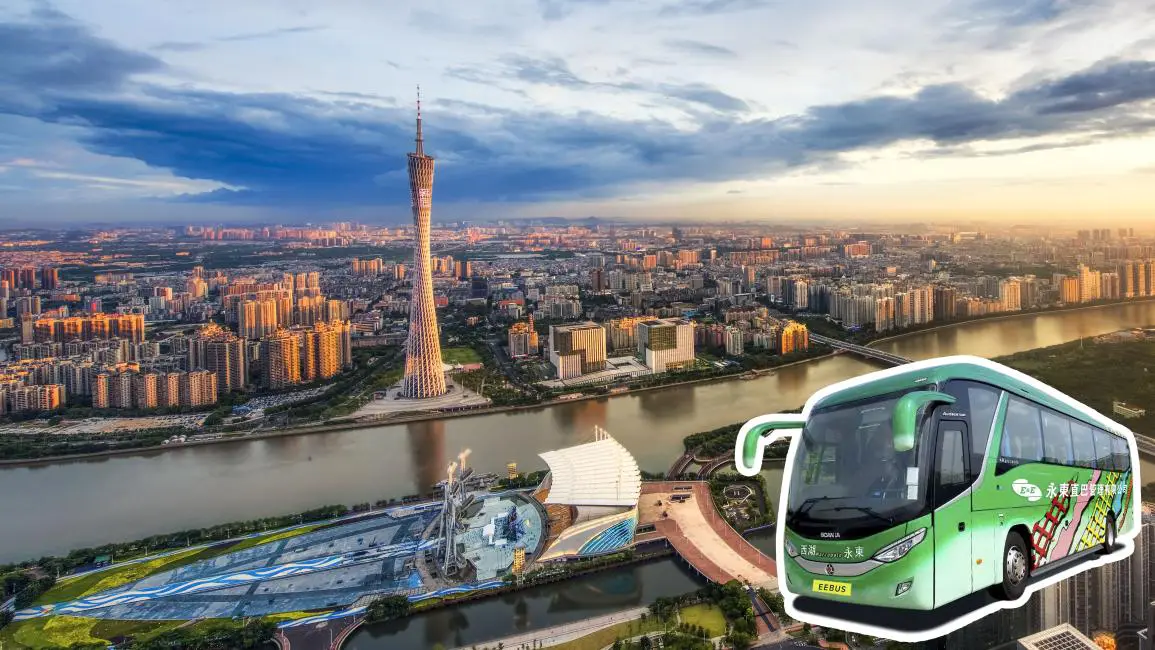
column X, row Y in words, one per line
column 600, row 473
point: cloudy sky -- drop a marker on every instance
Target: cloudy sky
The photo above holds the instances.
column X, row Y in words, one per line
column 774, row 109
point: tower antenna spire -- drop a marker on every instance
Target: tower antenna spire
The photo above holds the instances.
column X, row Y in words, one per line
column 420, row 141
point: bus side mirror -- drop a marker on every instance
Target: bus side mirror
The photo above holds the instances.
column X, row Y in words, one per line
column 757, row 434
column 905, row 418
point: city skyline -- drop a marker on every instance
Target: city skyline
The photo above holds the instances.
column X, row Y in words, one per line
column 727, row 110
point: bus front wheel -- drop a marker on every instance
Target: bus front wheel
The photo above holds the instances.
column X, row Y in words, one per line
column 1016, row 567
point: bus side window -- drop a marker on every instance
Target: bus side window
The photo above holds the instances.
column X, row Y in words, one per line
column 1083, row 441
column 1122, row 458
column 1022, row 435
column 1104, row 455
column 1057, row 439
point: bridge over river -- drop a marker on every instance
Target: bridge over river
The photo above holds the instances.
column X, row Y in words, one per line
column 860, row 350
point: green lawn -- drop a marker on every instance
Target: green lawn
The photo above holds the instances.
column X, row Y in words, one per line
column 56, row 632
column 92, row 583
column 460, row 355
column 274, row 537
column 707, row 616
column 607, row 636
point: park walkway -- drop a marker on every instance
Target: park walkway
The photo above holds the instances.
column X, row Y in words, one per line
column 702, row 537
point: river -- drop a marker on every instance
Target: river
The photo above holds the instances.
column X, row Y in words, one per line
column 53, row 508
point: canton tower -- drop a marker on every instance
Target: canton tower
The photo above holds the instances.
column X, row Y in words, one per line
column 424, row 376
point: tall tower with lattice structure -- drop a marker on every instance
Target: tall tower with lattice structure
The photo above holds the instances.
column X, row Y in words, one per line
column 424, row 376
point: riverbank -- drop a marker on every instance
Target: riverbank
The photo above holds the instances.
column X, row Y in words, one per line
column 423, row 417
column 331, row 427
column 1010, row 316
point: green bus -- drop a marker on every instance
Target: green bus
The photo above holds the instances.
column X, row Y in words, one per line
column 901, row 479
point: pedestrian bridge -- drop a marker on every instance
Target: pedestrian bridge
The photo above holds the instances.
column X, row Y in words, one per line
column 700, row 536
column 861, row 350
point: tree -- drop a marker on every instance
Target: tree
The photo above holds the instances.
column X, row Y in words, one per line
column 740, row 640
column 387, row 608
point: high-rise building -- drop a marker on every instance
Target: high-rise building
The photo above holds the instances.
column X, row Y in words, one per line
column 281, row 357
column 793, row 337
column 198, row 388
column 523, row 339
column 1011, row 295
column 49, row 277
column 1069, row 290
column 221, row 352
column 424, row 375
column 257, row 318
column 735, row 342
column 666, row 344
column 575, row 350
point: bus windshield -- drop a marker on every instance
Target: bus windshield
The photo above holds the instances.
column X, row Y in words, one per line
column 848, row 477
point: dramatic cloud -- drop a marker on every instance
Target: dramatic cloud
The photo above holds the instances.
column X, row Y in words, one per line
column 55, row 53
column 345, row 146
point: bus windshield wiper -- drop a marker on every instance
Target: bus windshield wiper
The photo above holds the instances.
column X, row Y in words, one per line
column 870, row 511
column 805, row 507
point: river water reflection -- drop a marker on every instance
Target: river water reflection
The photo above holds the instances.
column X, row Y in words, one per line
column 52, row 509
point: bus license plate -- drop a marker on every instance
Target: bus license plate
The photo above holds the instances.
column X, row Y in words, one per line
column 832, row 588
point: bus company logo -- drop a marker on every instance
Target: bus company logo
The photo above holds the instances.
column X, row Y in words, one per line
column 829, row 569
column 1027, row 490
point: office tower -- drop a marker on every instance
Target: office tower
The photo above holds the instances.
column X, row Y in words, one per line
column 575, row 350
column 281, row 356
column 424, row 376
column 666, row 344
column 221, row 352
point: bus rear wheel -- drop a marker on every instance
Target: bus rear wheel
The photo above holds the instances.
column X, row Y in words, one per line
column 1016, row 567
column 1108, row 537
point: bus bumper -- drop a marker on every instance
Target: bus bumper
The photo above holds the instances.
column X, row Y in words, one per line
column 900, row 585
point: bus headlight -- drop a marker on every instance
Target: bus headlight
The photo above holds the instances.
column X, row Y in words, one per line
column 899, row 549
column 791, row 549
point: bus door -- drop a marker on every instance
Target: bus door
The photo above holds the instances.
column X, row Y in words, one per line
column 952, row 522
